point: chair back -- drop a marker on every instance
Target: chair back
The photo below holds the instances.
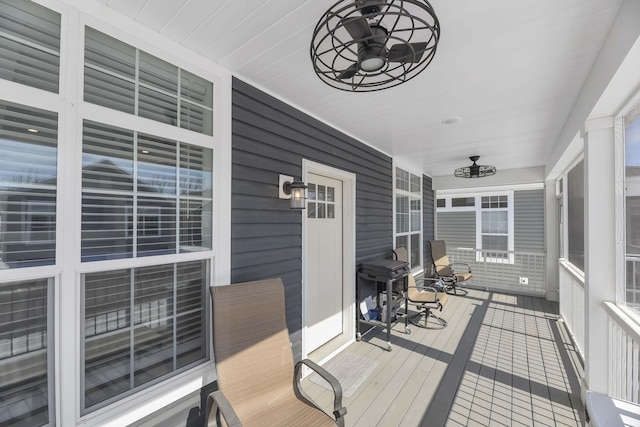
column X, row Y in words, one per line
column 251, row 343
column 401, row 254
column 440, row 258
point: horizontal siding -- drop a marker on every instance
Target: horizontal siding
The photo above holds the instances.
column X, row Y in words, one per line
column 270, row 138
column 457, row 229
column 528, row 221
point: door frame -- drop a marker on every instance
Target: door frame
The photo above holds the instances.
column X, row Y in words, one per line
column 348, row 255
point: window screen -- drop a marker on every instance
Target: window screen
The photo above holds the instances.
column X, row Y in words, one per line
column 575, row 211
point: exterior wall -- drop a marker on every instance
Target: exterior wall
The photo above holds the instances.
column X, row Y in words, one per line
column 271, row 138
column 458, row 230
column 528, row 218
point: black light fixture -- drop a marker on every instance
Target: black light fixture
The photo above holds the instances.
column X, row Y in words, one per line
column 293, row 190
column 475, row 170
column 368, row 45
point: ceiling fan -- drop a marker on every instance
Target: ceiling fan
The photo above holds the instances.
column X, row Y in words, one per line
column 475, row 170
column 366, row 45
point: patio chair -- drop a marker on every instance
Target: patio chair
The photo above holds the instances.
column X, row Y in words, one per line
column 426, row 297
column 451, row 274
column 258, row 384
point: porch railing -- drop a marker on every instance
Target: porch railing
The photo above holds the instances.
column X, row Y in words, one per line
column 510, row 271
column 572, row 304
column 624, row 355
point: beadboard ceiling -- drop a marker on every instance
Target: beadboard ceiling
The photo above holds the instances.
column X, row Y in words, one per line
column 511, row 70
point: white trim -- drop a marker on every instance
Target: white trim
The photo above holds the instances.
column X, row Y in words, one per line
column 411, row 196
column 440, row 194
column 66, row 331
column 348, row 249
column 620, row 209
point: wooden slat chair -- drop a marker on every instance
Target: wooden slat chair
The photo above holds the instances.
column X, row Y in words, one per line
column 257, row 380
column 425, row 296
column 446, row 270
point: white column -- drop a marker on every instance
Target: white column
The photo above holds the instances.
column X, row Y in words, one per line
column 551, row 231
column 599, row 233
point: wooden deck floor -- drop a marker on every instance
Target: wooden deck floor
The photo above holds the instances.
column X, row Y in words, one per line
column 503, row 360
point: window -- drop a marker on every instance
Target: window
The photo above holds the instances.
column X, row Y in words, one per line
column 408, row 215
column 632, row 206
column 25, row 360
column 29, row 45
column 124, row 172
column 30, row 56
column 494, row 236
column 140, row 325
column 123, row 78
column 28, row 143
column 322, row 201
column 457, row 202
column 575, row 215
column 143, row 196
column 494, row 228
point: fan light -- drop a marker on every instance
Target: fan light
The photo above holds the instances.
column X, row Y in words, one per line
column 475, row 170
column 368, row 45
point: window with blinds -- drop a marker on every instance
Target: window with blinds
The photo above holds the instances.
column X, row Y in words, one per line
column 141, row 325
column 494, row 227
column 29, row 44
column 24, row 352
column 123, row 78
column 408, row 215
column 28, row 144
column 143, row 195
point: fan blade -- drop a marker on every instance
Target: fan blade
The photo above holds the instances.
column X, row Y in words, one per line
column 358, row 28
column 349, row 72
column 403, row 53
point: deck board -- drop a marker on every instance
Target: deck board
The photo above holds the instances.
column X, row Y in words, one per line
column 502, row 360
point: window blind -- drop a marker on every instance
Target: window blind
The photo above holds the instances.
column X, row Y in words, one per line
column 29, row 44
column 141, row 325
column 27, row 186
column 24, row 386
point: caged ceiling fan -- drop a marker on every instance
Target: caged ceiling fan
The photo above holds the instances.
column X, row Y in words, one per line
column 368, row 45
column 475, row 170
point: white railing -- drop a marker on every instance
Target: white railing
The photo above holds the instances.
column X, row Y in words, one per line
column 572, row 303
column 624, row 354
column 510, row 271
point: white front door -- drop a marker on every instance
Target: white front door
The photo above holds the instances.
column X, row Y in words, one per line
column 324, row 239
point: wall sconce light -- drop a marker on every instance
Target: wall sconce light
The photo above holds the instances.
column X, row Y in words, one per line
column 294, row 190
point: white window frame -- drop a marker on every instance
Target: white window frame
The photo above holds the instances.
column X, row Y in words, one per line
column 510, row 259
column 408, row 234
column 66, row 327
column 477, row 208
column 621, row 192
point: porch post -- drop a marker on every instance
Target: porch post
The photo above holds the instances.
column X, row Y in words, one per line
column 599, row 242
column 551, row 231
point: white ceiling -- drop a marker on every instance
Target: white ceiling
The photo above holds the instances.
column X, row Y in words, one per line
column 510, row 69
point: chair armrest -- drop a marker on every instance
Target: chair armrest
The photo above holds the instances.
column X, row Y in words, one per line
column 217, row 401
column 339, row 411
column 423, row 285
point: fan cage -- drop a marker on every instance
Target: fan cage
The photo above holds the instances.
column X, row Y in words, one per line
column 333, row 50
